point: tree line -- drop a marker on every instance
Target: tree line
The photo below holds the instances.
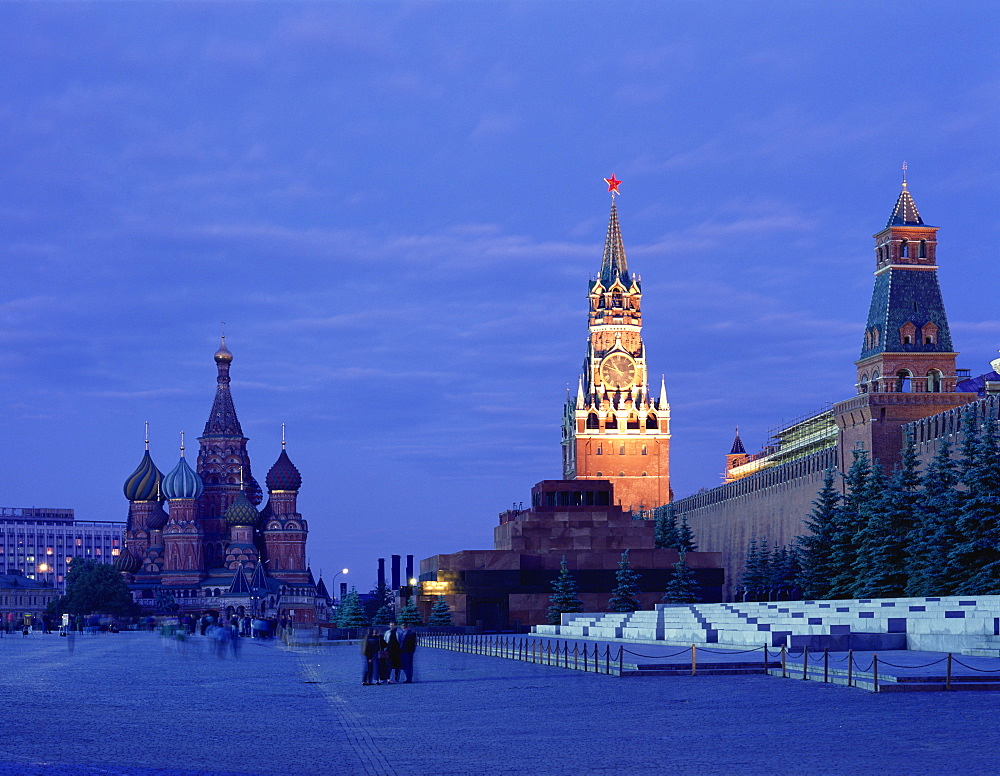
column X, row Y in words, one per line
column 919, row 531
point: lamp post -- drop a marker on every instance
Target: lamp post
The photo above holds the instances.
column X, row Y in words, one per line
column 333, row 583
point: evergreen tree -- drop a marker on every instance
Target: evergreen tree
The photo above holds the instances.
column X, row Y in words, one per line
column 379, row 596
column 785, row 571
column 815, row 549
column 685, row 537
column 755, row 579
column 974, row 560
column 872, row 574
column 382, row 617
column 748, row 577
column 682, row 587
column 933, row 533
column 851, row 518
column 350, row 613
column 883, row 559
column 623, row 597
column 666, row 527
column 564, row 595
column 440, row 613
column 95, row 588
column 410, row 615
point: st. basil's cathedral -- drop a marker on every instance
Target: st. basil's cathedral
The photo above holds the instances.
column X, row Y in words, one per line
column 211, row 548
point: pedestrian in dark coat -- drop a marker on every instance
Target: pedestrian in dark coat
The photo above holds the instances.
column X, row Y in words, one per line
column 370, row 647
column 395, row 665
column 407, row 646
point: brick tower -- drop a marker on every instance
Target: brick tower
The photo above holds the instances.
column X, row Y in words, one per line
column 614, row 429
column 907, row 365
column 223, row 464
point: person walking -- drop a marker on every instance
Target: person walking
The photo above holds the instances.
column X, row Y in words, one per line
column 371, row 644
column 407, row 646
column 395, row 665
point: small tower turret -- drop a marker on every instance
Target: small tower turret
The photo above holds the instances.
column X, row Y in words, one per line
column 285, row 530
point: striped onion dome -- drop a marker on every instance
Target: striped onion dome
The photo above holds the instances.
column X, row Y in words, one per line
column 145, row 482
column 182, row 482
column 283, row 475
column 126, row 562
column 242, row 512
column 157, row 518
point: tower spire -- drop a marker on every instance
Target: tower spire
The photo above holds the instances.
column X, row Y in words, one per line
column 223, row 421
column 614, row 266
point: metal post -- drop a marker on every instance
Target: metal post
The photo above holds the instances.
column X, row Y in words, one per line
column 784, row 674
column 576, row 655
column 694, row 660
column 765, row 659
column 607, row 660
column 621, row 650
column 826, row 665
column 875, row 669
column 947, row 680
column 805, row 663
column 850, row 666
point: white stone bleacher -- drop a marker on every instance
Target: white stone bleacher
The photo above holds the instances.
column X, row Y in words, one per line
column 969, row 624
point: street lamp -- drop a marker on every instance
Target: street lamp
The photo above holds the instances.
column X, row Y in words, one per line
column 333, row 582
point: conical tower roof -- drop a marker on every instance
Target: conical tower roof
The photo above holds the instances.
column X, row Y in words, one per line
column 905, row 212
column 614, row 265
column 239, row 584
column 222, row 420
column 738, row 448
column 259, row 579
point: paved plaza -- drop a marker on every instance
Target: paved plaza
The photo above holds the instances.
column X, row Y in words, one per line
column 125, row 704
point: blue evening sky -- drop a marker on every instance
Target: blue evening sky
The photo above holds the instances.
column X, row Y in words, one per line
column 396, row 209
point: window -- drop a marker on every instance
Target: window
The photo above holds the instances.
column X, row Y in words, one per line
column 599, row 451
column 903, row 381
column 644, row 449
column 922, row 250
column 621, row 450
column 904, row 249
column 593, row 421
column 934, row 381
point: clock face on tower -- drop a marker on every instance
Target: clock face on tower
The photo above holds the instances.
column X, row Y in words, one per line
column 618, row 371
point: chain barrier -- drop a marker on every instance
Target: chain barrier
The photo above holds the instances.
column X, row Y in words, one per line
column 537, row 650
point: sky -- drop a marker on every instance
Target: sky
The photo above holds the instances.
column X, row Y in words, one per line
column 396, row 208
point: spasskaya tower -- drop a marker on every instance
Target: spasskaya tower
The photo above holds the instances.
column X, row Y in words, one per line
column 614, row 429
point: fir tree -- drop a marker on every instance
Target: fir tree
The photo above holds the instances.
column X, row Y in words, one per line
column 350, row 613
column 974, row 560
column 851, row 518
column 815, row 549
column 410, row 615
column 785, row 572
column 564, row 595
column 883, row 567
column 623, row 597
column 682, row 587
column 872, row 572
column 379, row 596
column 933, row 533
column 440, row 613
column 382, row 617
column 666, row 527
column 756, row 573
column 685, row 537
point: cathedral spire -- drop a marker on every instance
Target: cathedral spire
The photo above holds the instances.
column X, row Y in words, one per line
column 738, row 448
column 223, row 421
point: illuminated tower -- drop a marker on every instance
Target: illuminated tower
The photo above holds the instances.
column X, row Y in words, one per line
column 223, row 464
column 142, row 489
column 614, row 429
column 907, row 365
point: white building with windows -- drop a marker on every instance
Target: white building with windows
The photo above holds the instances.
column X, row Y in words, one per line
column 39, row 543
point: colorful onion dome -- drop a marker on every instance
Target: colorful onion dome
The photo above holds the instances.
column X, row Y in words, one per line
column 182, row 482
column 283, row 475
column 157, row 518
column 126, row 562
column 145, row 482
column 242, row 512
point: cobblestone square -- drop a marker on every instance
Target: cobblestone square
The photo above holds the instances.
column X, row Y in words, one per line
column 129, row 704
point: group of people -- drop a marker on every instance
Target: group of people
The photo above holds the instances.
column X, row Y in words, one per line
column 387, row 655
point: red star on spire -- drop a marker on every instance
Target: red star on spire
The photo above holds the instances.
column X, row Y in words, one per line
column 613, row 184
